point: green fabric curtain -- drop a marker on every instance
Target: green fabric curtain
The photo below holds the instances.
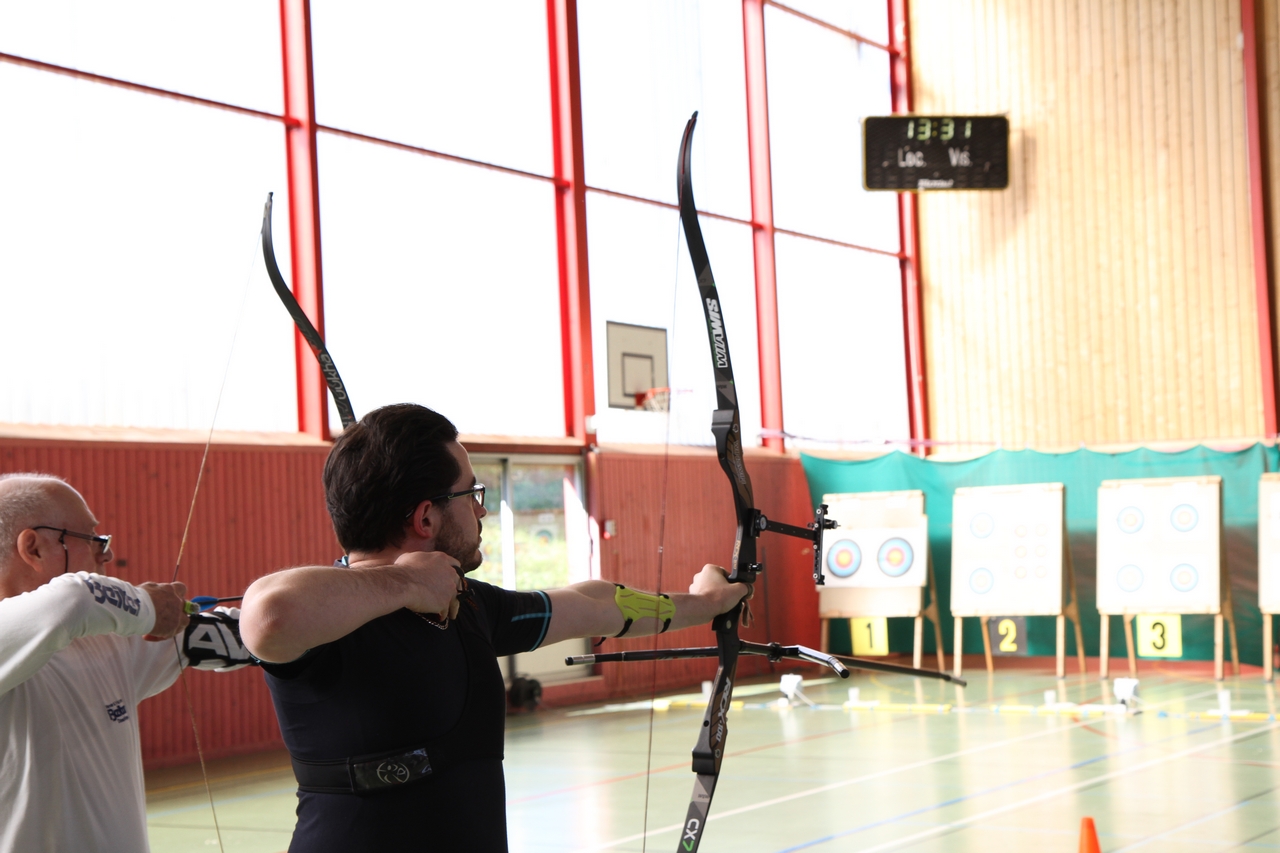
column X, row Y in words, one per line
column 1081, row 472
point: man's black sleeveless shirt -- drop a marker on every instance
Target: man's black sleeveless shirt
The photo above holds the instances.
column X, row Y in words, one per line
column 400, row 683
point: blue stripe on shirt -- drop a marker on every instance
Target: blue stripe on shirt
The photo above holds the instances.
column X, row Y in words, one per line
column 544, row 616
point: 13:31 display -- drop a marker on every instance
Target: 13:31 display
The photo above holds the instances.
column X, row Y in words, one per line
column 942, row 129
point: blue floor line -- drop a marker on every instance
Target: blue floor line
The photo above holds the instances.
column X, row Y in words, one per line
column 985, row 791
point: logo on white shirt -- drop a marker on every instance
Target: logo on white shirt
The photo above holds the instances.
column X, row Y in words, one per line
column 117, row 711
column 113, row 595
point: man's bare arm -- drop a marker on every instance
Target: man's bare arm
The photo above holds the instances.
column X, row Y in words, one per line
column 588, row 609
column 286, row 613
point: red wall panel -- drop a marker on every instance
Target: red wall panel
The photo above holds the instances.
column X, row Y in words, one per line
column 700, row 528
column 261, row 508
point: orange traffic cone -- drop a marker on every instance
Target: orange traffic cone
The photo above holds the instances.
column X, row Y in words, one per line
column 1088, row 836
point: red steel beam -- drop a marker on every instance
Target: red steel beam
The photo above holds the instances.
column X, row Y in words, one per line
column 1258, row 215
column 908, row 228
column 770, row 351
column 304, row 208
column 571, row 219
column 826, row 25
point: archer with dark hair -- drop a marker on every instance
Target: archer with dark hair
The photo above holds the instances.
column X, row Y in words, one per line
column 384, row 668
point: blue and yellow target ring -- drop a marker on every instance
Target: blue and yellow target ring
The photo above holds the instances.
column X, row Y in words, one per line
column 844, row 558
column 1129, row 578
column 982, row 525
column 895, row 557
column 1184, row 577
column 1130, row 519
column 1184, row 518
column 981, row 581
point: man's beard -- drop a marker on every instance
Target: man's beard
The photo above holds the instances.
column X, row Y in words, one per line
column 455, row 543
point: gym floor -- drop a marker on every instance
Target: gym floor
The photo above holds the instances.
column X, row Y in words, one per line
column 954, row 773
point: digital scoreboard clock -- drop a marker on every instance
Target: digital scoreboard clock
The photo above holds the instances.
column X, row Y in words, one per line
column 910, row 153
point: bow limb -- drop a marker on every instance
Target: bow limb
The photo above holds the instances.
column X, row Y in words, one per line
column 300, row 319
column 727, row 428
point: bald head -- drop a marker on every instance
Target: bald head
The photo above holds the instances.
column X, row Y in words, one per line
column 28, row 500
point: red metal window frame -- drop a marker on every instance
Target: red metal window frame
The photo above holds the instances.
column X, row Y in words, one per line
column 301, row 129
column 909, row 229
column 1253, row 110
column 571, row 219
column 763, row 228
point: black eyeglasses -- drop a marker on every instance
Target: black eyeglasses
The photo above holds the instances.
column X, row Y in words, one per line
column 103, row 542
column 477, row 491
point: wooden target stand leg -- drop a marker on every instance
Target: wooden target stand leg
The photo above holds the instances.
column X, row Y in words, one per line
column 1228, row 613
column 1268, row 656
column 1071, row 611
column 1104, row 646
column 1128, row 645
column 1060, row 637
column 986, row 645
column 931, row 612
column 957, row 645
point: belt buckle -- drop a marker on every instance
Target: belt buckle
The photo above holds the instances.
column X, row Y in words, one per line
column 390, row 771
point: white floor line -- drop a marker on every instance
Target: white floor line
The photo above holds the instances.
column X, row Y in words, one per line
column 1065, row 789
column 1191, row 823
column 881, row 774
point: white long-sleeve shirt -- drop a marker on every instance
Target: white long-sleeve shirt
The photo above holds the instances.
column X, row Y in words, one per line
column 73, row 668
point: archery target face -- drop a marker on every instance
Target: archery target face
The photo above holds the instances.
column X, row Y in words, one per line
column 882, row 541
column 1269, row 543
column 844, row 557
column 1130, row 519
column 1158, row 545
column 895, row 557
column 1006, row 550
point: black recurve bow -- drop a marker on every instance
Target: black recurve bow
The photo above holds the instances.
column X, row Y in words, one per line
column 726, row 426
column 339, row 391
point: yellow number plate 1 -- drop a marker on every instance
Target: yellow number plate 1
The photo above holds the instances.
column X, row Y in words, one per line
column 870, row 636
column 1159, row 635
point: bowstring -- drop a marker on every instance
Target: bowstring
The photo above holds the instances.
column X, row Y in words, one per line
column 662, row 538
column 186, row 531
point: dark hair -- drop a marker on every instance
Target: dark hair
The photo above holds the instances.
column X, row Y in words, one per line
column 384, row 466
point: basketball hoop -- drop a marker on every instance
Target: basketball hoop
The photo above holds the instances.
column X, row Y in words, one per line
column 654, row 400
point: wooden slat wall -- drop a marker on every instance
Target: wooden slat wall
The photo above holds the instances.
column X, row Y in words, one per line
column 1107, row 295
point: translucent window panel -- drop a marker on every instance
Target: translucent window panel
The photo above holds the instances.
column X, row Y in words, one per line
column 491, row 538
column 867, row 18
column 821, row 85
column 441, row 288
column 645, row 68
column 843, row 362
column 641, row 274
column 540, row 536
column 470, row 78
column 227, row 51
column 128, row 246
